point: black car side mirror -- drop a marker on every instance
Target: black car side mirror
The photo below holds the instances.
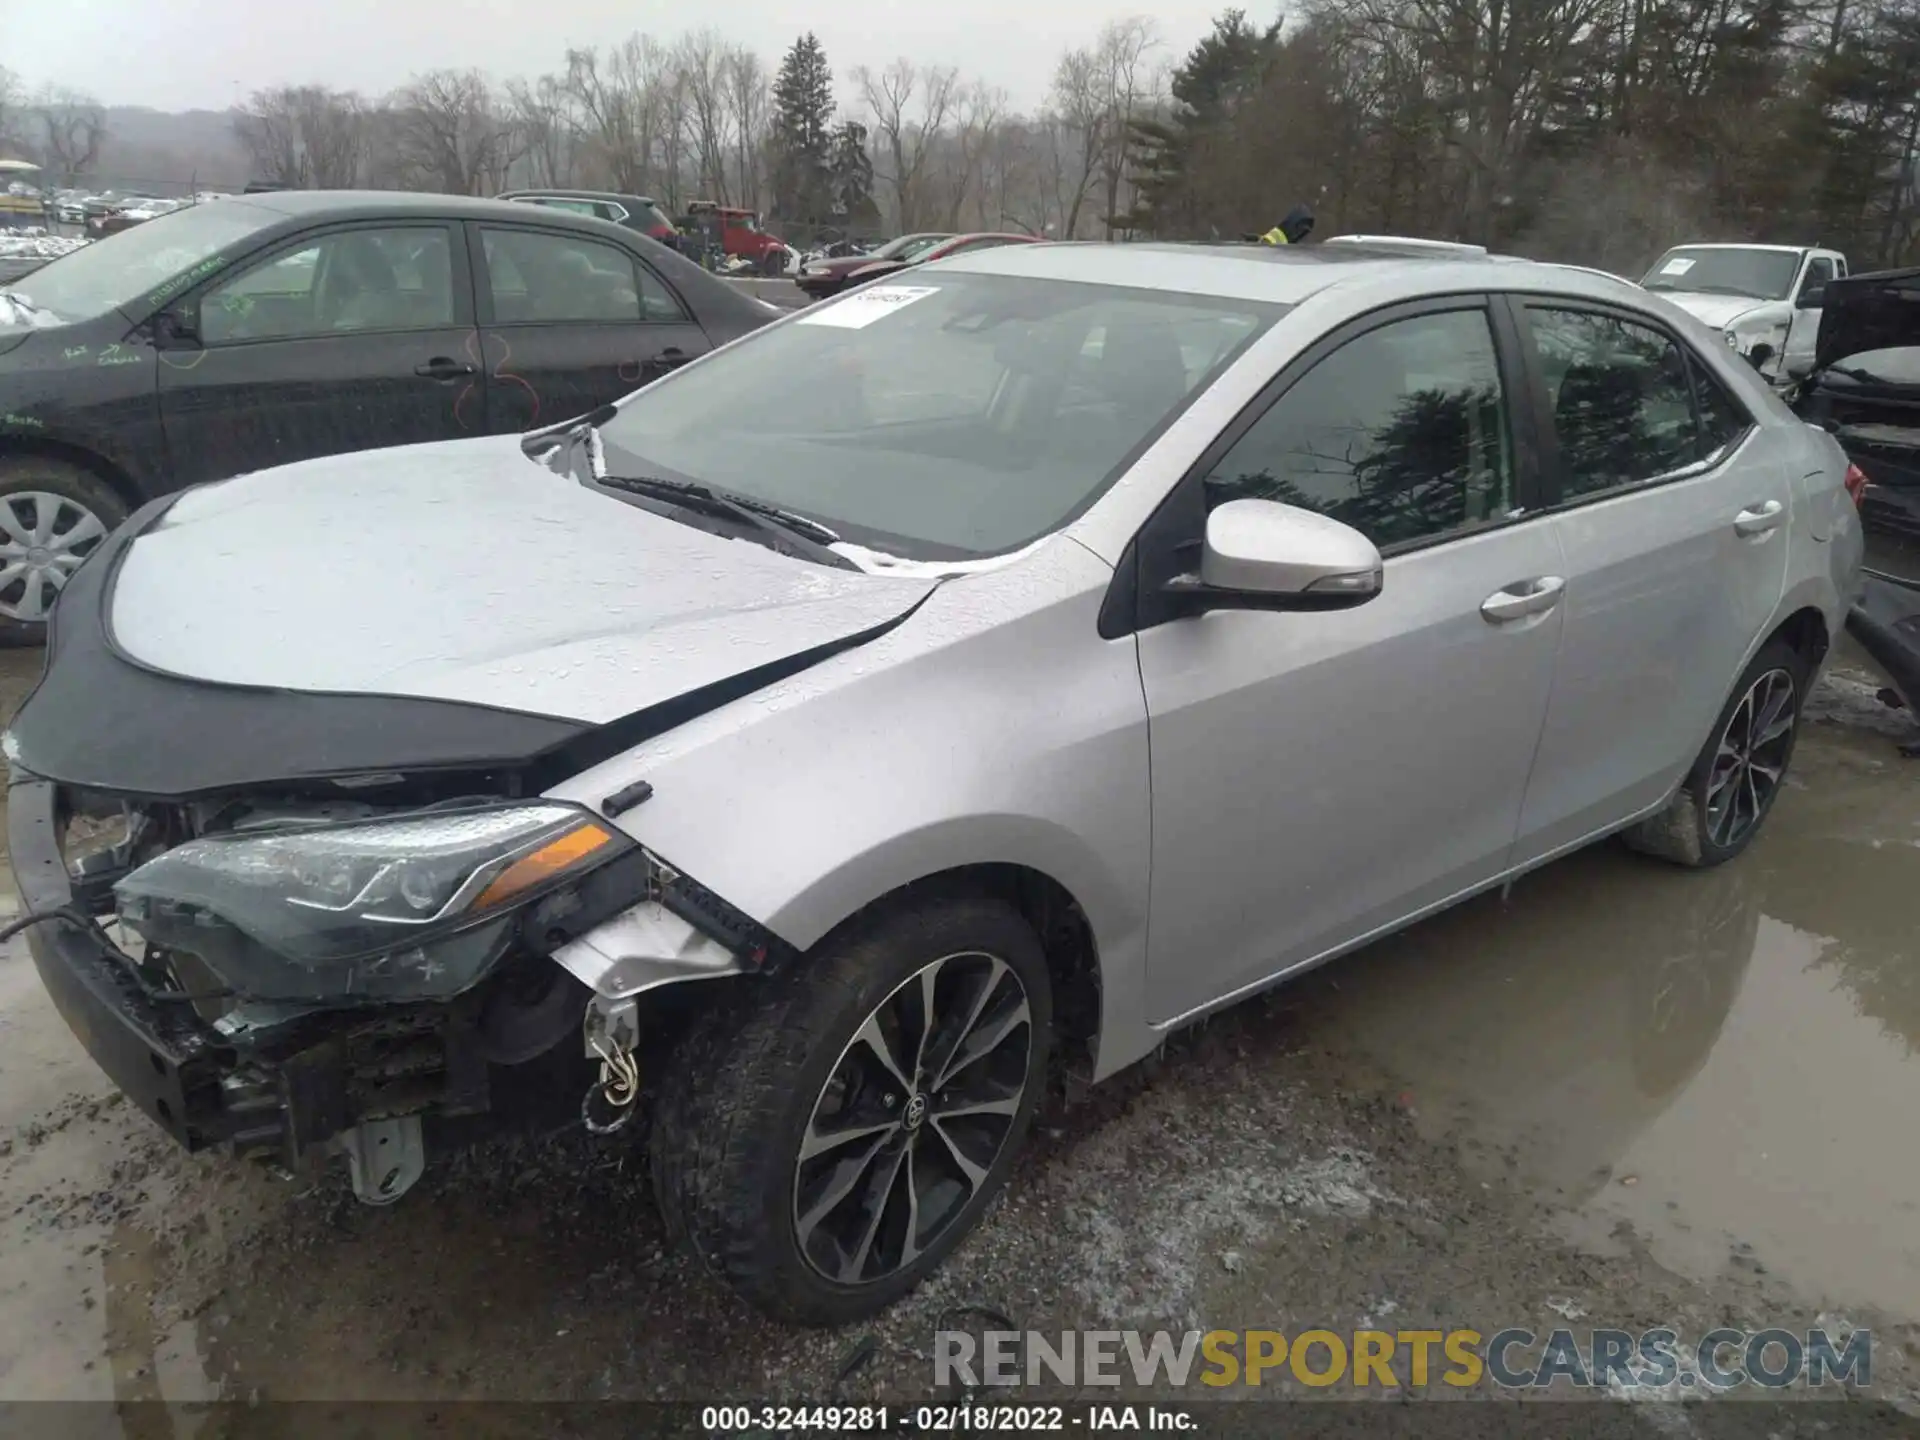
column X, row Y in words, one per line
column 176, row 328
column 1811, row 298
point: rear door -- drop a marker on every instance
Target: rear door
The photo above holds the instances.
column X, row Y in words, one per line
column 344, row 339
column 1673, row 516
column 571, row 322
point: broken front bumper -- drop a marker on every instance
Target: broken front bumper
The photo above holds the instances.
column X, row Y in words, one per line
column 261, row 1083
column 157, row 1053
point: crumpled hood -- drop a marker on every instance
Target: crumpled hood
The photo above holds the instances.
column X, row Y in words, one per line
column 465, row 571
column 1720, row 311
column 1862, row 313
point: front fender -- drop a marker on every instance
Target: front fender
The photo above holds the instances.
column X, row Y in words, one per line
column 994, row 726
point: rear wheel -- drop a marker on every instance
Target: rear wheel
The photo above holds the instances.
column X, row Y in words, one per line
column 1738, row 774
column 53, row 514
column 825, row 1146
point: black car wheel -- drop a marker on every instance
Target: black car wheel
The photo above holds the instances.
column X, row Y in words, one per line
column 824, row 1146
column 52, row 516
column 1738, row 773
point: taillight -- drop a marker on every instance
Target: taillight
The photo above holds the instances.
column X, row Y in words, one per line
column 1856, row 483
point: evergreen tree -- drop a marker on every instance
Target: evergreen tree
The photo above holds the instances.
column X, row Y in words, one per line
column 802, row 138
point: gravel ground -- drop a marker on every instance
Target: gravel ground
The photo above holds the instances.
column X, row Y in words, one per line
column 1620, row 1096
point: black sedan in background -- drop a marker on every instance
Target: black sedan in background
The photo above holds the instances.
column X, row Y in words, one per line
column 244, row 333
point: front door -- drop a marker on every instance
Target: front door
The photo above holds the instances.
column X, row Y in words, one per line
column 350, row 339
column 1803, row 329
column 570, row 323
column 1674, row 519
column 1320, row 777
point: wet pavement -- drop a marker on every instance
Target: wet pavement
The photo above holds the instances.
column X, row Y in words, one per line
column 1620, row 1092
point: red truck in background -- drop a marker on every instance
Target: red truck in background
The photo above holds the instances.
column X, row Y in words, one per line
column 736, row 232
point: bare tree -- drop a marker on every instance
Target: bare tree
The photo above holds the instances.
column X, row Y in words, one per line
column 909, row 108
column 11, row 100
column 543, row 113
column 1080, row 136
column 750, row 94
column 703, row 62
column 304, row 136
column 1129, row 87
column 72, row 127
column 450, row 135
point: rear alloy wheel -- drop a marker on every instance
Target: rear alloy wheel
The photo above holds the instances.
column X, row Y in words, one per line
column 824, row 1144
column 1738, row 774
column 52, row 517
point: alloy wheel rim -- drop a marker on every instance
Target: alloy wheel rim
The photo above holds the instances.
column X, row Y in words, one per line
column 914, row 1114
column 43, row 539
column 1751, row 759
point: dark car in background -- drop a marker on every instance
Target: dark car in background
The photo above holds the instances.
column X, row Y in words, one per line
column 824, row 277
column 1865, row 389
column 635, row 212
column 952, row 245
column 244, row 333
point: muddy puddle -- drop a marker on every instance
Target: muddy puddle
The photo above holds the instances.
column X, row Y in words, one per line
column 1727, row 1063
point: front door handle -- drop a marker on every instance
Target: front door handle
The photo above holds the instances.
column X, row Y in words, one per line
column 669, row 358
column 1523, row 598
column 1760, row 519
column 444, row 367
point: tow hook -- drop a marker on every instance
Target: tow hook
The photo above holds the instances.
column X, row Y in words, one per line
column 384, row 1157
column 612, row 1030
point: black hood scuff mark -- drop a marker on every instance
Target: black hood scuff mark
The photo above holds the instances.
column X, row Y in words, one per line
column 100, row 720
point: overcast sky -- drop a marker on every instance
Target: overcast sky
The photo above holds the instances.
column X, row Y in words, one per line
column 207, row 54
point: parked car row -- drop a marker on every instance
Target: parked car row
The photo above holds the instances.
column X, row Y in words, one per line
column 1008, row 665
column 253, row 332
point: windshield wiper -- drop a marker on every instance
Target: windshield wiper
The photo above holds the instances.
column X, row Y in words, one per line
column 809, row 537
column 1854, row 372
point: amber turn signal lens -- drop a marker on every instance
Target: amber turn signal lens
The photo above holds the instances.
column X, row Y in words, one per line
column 557, row 856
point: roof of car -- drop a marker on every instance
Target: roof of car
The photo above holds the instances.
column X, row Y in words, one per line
column 1282, row 274
column 568, row 192
column 371, row 204
column 1741, row 245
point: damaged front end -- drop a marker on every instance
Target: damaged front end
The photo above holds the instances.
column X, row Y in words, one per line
column 288, row 978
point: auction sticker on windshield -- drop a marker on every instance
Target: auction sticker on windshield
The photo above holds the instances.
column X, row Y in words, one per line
column 1678, row 266
column 863, row 307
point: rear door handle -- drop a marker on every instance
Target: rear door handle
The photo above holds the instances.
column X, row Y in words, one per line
column 670, row 357
column 444, row 367
column 1760, row 519
column 1523, row 598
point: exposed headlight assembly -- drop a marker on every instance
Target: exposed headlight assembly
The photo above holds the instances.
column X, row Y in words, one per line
column 417, row 907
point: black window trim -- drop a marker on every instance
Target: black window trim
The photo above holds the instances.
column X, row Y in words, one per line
column 284, row 245
column 1134, row 601
column 483, row 279
column 1552, row 478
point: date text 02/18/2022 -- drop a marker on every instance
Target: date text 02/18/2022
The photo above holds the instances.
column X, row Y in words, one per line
column 941, row 1419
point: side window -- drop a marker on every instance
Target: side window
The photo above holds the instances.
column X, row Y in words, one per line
column 1621, row 400
column 544, row 279
column 656, row 300
column 1722, row 419
column 1819, row 272
column 1401, row 433
column 356, row 280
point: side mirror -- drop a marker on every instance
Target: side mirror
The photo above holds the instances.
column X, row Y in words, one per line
column 176, row 328
column 1812, row 297
column 1262, row 555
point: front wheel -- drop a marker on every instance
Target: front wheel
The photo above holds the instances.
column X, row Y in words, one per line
column 52, row 516
column 1738, row 773
column 825, row 1145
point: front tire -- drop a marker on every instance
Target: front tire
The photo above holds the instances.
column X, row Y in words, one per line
column 824, row 1145
column 1738, row 774
column 52, row 516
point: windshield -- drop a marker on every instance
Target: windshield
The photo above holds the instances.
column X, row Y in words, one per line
column 653, row 216
column 134, row 264
column 1762, row 274
column 906, row 247
column 938, row 422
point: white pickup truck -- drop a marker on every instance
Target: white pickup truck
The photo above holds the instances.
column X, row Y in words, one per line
column 1763, row 299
